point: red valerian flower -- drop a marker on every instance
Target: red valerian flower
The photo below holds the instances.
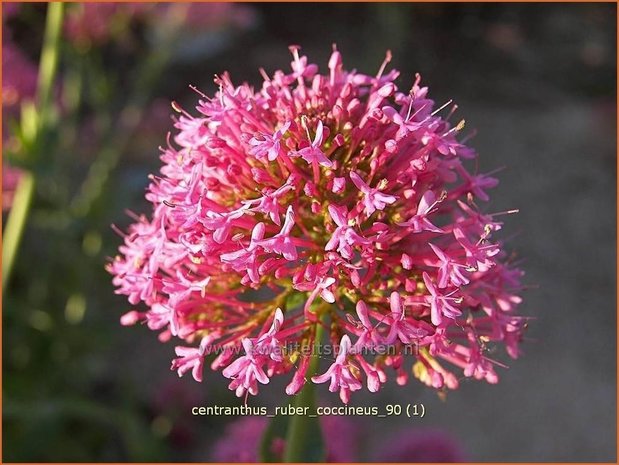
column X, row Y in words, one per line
column 341, row 202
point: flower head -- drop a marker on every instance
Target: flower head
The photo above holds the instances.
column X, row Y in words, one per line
column 342, row 202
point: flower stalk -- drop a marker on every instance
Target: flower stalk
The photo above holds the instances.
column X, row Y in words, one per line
column 24, row 193
column 300, row 425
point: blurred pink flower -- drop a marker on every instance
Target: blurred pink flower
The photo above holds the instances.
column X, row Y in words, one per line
column 212, row 15
column 96, row 22
column 9, row 9
column 19, row 82
column 241, row 440
column 419, row 445
column 10, row 179
column 93, row 22
column 172, row 400
column 19, row 78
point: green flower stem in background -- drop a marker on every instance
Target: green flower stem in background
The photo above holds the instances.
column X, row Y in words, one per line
column 130, row 117
column 120, row 130
column 25, row 189
column 49, row 60
column 302, row 430
column 16, row 223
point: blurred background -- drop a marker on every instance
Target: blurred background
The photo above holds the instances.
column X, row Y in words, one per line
column 538, row 82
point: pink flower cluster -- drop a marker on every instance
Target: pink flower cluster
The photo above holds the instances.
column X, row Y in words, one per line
column 331, row 200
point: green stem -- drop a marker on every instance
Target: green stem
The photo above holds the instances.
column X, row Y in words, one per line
column 300, row 425
column 15, row 225
column 24, row 192
column 49, row 60
column 121, row 133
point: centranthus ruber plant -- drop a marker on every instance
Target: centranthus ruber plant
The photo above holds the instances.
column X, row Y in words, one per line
column 330, row 202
